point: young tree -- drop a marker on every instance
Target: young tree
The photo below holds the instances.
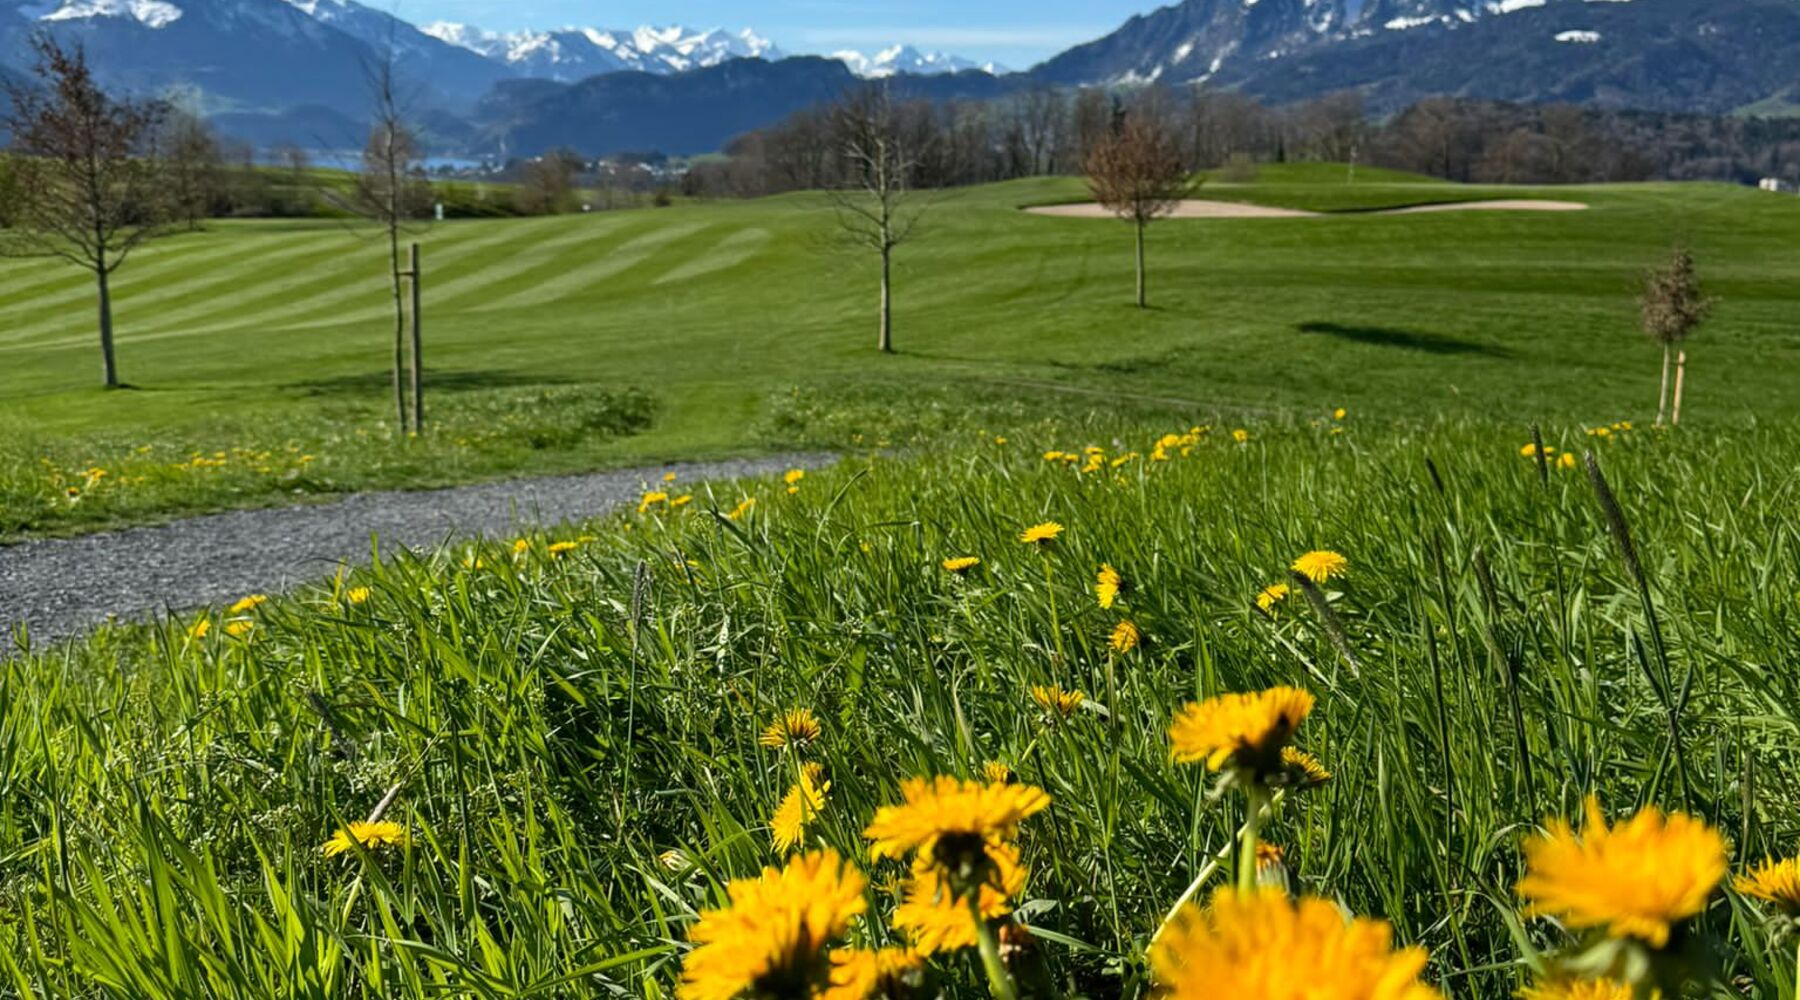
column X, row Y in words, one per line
column 85, row 190
column 1136, row 172
column 193, row 163
column 1672, row 307
column 876, row 205
column 547, row 186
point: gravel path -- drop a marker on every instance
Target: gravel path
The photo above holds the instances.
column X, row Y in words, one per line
column 58, row 588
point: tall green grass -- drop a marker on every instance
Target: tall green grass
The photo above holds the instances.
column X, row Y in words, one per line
column 558, row 724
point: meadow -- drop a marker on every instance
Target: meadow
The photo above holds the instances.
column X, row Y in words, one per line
column 708, row 329
column 569, row 735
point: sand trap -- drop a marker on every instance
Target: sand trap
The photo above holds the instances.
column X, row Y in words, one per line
column 1198, row 209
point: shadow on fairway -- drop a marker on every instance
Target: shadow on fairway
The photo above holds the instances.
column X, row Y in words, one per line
column 439, row 381
column 1430, row 343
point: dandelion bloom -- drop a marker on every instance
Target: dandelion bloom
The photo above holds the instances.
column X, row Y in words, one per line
column 961, row 564
column 935, row 919
column 793, row 476
column 1775, row 881
column 796, row 728
column 1339, row 413
column 743, row 507
column 1107, row 585
column 1245, row 730
column 1637, row 879
column 1125, row 637
column 1566, row 460
column 1272, row 595
column 372, row 836
column 1580, row 989
column 1056, row 701
column 521, row 546
column 945, row 808
column 1041, row 534
column 681, row 501
column 1321, row 565
column 249, row 603
column 359, row 595
column 1531, row 451
column 668, row 477
column 800, row 806
column 859, row 973
column 1301, row 769
column 1240, row 435
column 558, row 548
column 239, row 628
column 772, row 938
column 199, row 629
column 1262, row 945
column 651, row 499
column 996, row 772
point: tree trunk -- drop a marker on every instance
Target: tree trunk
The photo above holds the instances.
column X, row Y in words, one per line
column 107, row 362
column 418, row 344
column 887, row 302
column 399, row 330
column 1143, row 292
column 1662, row 396
column 1680, row 377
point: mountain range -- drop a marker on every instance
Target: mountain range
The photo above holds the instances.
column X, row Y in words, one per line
column 296, row 70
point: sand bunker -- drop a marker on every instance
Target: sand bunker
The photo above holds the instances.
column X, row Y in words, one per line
column 1198, row 209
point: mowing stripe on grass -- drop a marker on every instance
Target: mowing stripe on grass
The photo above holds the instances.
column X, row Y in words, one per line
column 75, row 284
column 728, row 252
column 622, row 258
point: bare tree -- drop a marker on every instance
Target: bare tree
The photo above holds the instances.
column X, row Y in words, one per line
column 876, row 205
column 1672, row 307
column 193, row 164
column 86, row 190
column 1136, row 172
column 547, row 186
column 391, row 190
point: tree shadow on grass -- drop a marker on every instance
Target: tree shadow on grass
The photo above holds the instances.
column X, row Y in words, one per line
column 1377, row 336
column 435, row 381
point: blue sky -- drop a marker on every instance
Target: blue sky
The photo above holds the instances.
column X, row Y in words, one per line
column 1014, row 32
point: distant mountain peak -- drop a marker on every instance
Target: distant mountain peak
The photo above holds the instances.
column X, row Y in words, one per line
column 903, row 58
column 573, row 53
column 149, row 13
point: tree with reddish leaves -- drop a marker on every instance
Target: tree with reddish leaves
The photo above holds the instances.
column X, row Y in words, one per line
column 1136, row 172
column 85, row 184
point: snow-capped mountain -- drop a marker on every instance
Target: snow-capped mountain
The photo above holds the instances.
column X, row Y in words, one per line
column 906, row 59
column 576, row 53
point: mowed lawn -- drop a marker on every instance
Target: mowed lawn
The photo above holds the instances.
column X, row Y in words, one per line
column 716, row 308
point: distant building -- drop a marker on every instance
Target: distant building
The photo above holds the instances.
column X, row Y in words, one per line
column 1772, row 184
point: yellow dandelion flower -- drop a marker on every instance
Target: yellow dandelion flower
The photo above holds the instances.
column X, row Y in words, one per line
column 1636, row 879
column 1263, row 945
column 668, row 477
column 861, row 974
column 1775, row 881
column 199, row 629
column 743, row 508
column 372, row 836
column 1339, row 413
column 969, row 814
column 651, row 499
column 239, row 628
column 793, row 476
column 1531, row 451
column 1566, row 460
column 1125, row 637
column 800, row 806
column 1580, row 989
column 1272, row 595
column 935, row 919
column 557, row 549
column 358, row 595
column 1240, row 435
column 1321, row 565
column 1056, row 701
column 250, row 603
column 772, row 938
column 521, row 546
column 1107, row 585
column 960, row 564
column 796, row 727
column 1041, row 534
column 681, row 501
column 1053, row 456
column 1269, row 855
column 996, row 772
column 1244, row 730
column 1301, row 769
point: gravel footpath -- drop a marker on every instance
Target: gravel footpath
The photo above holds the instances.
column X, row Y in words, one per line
column 59, row 588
